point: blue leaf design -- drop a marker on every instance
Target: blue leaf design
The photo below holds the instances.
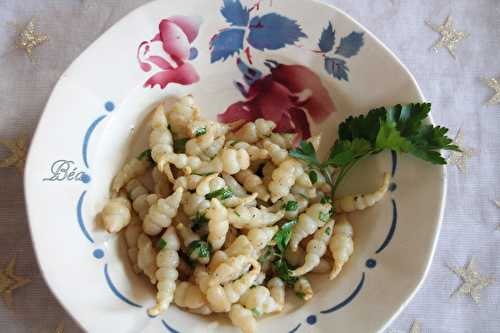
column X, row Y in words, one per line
column 226, row 43
column 250, row 74
column 327, row 39
column 337, row 68
column 234, row 13
column 273, row 31
column 350, row 45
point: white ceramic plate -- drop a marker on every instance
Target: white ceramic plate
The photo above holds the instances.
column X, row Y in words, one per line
column 86, row 130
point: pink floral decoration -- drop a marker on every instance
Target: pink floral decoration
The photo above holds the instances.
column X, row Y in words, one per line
column 286, row 96
column 176, row 34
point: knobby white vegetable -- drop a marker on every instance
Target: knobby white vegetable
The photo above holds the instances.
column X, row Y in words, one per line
column 243, row 217
column 284, row 177
column 241, row 246
column 315, row 249
column 314, row 217
column 243, row 319
column 255, row 152
column 218, row 224
column 231, row 269
column 259, row 299
column 162, row 186
column 237, row 189
column 132, row 169
column 167, row 261
column 132, row 232
column 189, row 182
column 254, row 131
column 341, row 244
column 253, row 183
column 356, row 202
column 188, row 295
column 221, row 297
column 182, row 114
column 141, row 199
column 278, row 154
column 261, row 237
column 116, row 214
column 303, row 288
column 161, row 213
column 146, row 257
column 284, row 140
column 160, row 138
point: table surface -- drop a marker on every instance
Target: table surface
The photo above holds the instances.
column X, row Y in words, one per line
column 454, row 87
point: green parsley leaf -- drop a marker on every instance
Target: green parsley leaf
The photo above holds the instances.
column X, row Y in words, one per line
column 146, row 155
column 199, row 221
column 202, row 248
column 200, row 131
column 324, row 216
column 300, row 294
column 326, row 200
column 390, row 138
column 256, row 313
column 291, row 205
column 180, row 145
column 328, row 231
column 283, row 236
column 305, row 151
column 313, row 176
column 268, row 253
column 283, row 271
column 223, row 194
column 161, row 244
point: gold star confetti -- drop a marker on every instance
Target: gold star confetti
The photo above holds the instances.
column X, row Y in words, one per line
column 472, row 281
column 9, row 282
column 415, row 327
column 18, row 149
column 460, row 158
column 60, row 328
column 449, row 36
column 495, row 85
column 29, row 38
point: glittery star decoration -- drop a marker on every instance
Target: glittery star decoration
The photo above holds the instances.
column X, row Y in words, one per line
column 495, row 85
column 9, row 282
column 415, row 327
column 29, row 38
column 472, row 281
column 449, row 36
column 460, row 158
column 18, row 149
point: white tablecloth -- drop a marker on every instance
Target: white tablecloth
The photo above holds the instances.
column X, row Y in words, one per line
column 454, row 87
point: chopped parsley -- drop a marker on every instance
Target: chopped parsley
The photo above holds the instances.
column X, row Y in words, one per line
column 313, row 176
column 146, row 155
column 326, row 200
column 222, row 194
column 180, row 145
column 202, row 248
column 161, row 244
column 300, row 294
column 328, row 231
column 324, row 216
column 200, row 131
column 199, row 221
column 291, row 205
column 282, row 237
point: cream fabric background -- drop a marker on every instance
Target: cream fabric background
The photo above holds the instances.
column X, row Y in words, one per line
column 453, row 86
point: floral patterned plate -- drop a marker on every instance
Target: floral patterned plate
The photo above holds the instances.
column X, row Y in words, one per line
column 301, row 63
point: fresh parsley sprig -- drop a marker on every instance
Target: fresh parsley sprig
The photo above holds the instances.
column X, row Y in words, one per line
column 400, row 128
